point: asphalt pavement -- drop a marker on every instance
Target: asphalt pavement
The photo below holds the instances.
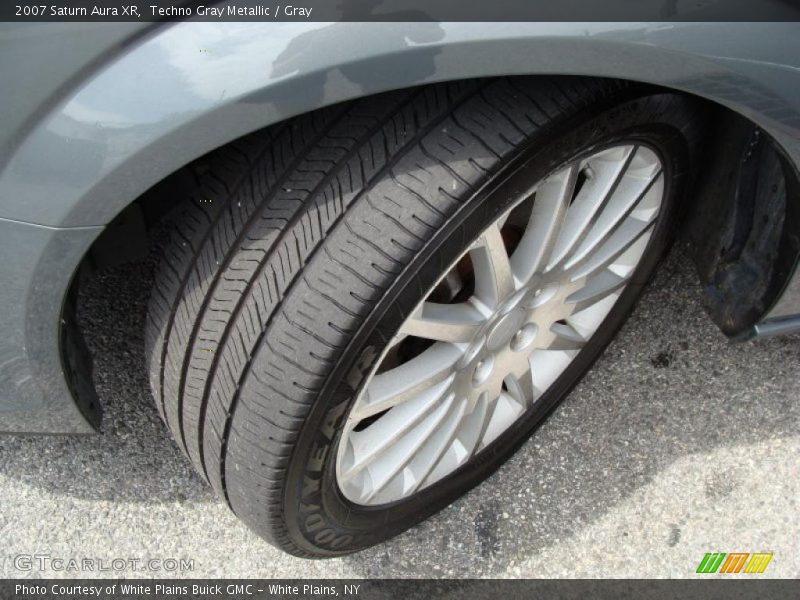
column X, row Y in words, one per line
column 677, row 443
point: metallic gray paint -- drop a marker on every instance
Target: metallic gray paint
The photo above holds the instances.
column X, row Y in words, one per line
column 43, row 61
column 119, row 111
column 36, row 266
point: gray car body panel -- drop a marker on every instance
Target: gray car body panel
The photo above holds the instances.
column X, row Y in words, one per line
column 120, row 107
column 36, row 268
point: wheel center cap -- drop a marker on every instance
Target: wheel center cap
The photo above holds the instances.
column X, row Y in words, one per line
column 505, row 329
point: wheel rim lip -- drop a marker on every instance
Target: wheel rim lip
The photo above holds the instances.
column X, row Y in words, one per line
column 544, row 295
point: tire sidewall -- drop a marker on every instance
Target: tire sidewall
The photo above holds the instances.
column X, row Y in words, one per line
column 319, row 519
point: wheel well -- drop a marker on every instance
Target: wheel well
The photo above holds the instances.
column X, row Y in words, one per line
column 738, row 228
column 743, row 226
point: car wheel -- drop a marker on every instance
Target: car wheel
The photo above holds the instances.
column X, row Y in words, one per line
column 363, row 312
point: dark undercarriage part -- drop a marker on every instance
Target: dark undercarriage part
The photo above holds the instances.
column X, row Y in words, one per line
column 744, row 228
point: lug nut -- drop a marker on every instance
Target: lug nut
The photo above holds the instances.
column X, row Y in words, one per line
column 476, row 377
column 483, row 368
column 523, row 338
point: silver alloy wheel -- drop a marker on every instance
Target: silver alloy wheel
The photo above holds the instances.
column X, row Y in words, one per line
column 520, row 304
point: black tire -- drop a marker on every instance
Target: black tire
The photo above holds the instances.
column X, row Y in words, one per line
column 300, row 249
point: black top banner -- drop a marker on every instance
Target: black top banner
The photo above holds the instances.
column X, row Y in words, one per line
column 401, row 10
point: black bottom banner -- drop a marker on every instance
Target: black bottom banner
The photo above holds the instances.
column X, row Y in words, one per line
column 468, row 589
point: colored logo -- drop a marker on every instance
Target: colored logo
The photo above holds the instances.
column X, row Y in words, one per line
column 734, row 562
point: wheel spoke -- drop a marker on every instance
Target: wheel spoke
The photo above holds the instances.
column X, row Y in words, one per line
column 444, row 322
column 567, row 337
column 606, row 172
column 521, row 387
column 506, row 410
column 407, row 381
column 397, row 455
column 625, row 263
column 480, row 426
column 630, row 192
column 597, row 287
column 549, row 207
column 586, row 321
column 427, row 456
column 546, row 366
column 384, row 434
column 494, row 279
column 630, row 232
